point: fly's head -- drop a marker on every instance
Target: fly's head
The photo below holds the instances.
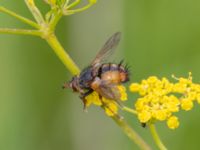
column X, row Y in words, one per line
column 73, row 84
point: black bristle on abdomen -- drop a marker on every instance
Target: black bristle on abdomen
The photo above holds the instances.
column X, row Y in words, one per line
column 127, row 68
column 120, row 63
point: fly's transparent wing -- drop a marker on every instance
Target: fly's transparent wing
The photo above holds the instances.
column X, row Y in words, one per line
column 108, row 90
column 107, row 49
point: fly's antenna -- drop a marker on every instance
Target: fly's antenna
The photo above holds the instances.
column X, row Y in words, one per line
column 65, row 85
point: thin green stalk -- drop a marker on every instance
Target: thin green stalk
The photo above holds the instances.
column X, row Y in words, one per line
column 55, row 20
column 130, row 110
column 131, row 133
column 66, row 3
column 76, row 2
column 63, row 56
column 23, row 19
column 156, row 137
column 35, row 11
column 67, row 10
column 20, row 31
column 78, row 10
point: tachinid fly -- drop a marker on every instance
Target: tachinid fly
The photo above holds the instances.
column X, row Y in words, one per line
column 100, row 76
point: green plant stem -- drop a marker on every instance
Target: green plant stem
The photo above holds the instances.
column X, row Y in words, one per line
column 156, row 137
column 23, row 19
column 130, row 110
column 35, row 11
column 131, row 133
column 67, row 10
column 55, row 20
column 76, row 2
column 20, row 31
column 78, row 10
column 62, row 55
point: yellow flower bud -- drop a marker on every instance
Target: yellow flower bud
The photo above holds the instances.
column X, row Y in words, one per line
column 123, row 93
column 186, row 104
column 134, row 87
column 173, row 122
column 152, row 80
column 144, row 116
column 160, row 115
column 111, row 109
column 93, row 98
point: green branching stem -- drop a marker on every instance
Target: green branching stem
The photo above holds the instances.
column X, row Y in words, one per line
column 20, row 31
column 55, row 20
column 35, row 11
column 130, row 110
column 68, row 11
column 23, row 19
column 79, row 9
column 62, row 55
column 73, row 4
column 156, row 137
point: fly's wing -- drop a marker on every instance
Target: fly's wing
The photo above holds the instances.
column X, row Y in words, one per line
column 107, row 49
column 109, row 91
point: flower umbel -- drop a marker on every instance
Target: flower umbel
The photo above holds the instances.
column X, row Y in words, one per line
column 160, row 98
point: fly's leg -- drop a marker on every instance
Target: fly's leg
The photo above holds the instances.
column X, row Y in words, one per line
column 82, row 97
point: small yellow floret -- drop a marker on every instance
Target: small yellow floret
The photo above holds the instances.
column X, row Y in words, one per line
column 186, row 104
column 111, row 109
column 185, row 81
column 134, row 87
column 144, row 116
column 160, row 115
column 123, row 93
column 173, row 122
column 152, row 80
column 179, row 88
column 93, row 98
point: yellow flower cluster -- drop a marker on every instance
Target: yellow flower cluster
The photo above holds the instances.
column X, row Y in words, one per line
column 110, row 106
column 160, row 99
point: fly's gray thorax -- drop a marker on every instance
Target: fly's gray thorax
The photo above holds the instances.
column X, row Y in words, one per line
column 86, row 77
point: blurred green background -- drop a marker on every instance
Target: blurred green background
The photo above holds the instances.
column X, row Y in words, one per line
column 160, row 37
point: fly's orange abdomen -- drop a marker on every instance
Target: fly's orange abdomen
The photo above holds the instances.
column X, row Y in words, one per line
column 114, row 73
column 112, row 76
